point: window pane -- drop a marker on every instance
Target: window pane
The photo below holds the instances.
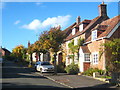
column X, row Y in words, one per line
column 87, row 57
column 95, row 58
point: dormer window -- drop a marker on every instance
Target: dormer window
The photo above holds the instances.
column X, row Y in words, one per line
column 73, row 31
column 80, row 27
column 94, row 35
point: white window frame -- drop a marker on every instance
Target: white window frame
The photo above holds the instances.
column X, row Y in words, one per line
column 87, row 57
column 73, row 31
column 80, row 27
column 95, row 58
column 94, row 35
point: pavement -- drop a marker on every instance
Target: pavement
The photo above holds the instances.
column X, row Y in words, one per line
column 78, row 81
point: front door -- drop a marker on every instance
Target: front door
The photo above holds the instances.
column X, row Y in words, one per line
column 86, row 65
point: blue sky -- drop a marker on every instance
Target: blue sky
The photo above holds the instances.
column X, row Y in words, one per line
column 24, row 21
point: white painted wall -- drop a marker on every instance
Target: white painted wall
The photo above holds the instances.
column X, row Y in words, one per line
column 81, row 60
column 67, row 44
column 66, row 61
column 33, row 56
column 75, row 40
column 41, row 57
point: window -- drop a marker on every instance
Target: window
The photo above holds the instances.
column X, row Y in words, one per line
column 73, row 31
column 81, row 27
column 87, row 57
column 45, row 63
column 95, row 58
column 94, row 34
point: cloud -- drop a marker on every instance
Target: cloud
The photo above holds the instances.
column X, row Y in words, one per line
column 34, row 25
column 49, row 22
column 17, row 22
column 38, row 3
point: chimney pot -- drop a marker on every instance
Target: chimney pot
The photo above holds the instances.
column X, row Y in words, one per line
column 78, row 20
column 102, row 9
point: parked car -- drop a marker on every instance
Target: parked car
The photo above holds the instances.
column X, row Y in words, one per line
column 45, row 66
column 37, row 63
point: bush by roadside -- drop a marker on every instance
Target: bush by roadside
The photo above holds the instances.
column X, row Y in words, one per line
column 60, row 68
column 72, row 69
column 90, row 71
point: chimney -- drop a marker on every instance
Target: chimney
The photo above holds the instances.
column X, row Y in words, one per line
column 102, row 9
column 78, row 20
column 59, row 27
column 28, row 43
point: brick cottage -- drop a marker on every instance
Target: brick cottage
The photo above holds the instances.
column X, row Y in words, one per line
column 95, row 32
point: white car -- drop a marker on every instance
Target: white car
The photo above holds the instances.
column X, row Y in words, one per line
column 45, row 67
column 37, row 63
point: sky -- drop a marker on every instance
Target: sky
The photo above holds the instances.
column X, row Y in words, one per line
column 25, row 21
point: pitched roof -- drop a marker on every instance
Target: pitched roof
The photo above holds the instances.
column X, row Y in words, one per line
column 105, row 27
column 67, row 30
column 4, row 49
column 85, row 49
column 110, row 23
column 92, row 24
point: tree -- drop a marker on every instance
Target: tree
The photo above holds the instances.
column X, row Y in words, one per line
column 113, row 47
column 51, row 40
column 30, row 52
column 38, row 47
column 75, row 48
column 113, row 63
column 79, row 44
column 19, row 52
column 24, row 51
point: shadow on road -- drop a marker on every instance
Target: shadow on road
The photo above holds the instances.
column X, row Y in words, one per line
column 17, row 85
column 11, row 70
column 14, row 76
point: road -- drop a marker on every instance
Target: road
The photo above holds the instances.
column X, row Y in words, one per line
column 14, row 76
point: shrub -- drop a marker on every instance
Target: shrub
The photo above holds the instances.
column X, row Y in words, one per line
column 90, row 71
column 60, row 69
column 101, row 72
column 72, row 69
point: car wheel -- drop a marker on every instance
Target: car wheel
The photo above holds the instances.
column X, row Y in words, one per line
column 40, row 70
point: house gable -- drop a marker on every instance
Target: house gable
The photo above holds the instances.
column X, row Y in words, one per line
column 106, row 29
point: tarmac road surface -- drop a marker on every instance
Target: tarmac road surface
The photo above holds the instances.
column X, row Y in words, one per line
column 14, row 76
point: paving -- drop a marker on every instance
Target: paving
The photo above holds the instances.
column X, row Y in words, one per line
column 71, row 81
column 78, row 81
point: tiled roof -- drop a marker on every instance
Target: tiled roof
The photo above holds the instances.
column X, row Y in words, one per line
column 111, row 23
column 105, row 27
column 85, row 49
column 4, row 49
column 67, row 30
column 89, row 27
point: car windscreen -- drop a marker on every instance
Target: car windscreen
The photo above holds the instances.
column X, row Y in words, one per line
column 45, row 63
column 37, row 63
